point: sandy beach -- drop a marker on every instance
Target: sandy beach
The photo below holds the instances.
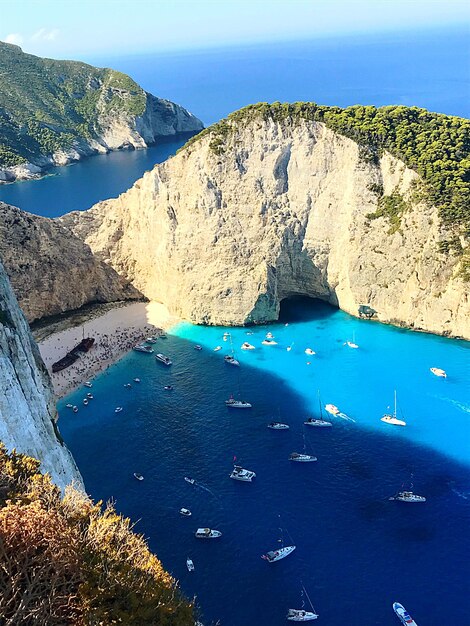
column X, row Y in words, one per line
column 115, row 332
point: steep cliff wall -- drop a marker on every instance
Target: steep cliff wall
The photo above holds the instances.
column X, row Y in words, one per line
column 51, row 270
column 27, row 403
column 225, row 230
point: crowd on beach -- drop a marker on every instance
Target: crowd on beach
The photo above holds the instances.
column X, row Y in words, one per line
column 108, row 347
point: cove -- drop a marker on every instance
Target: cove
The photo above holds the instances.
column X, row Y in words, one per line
column 356, row 551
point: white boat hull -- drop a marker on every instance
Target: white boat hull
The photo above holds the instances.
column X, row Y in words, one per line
column 403, row 615
column 318, row 423
column 278, row 555
column 295, row 615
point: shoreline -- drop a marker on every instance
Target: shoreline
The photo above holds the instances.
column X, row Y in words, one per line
column 115, row 330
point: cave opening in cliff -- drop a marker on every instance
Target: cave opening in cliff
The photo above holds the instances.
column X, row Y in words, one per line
column 299, row 308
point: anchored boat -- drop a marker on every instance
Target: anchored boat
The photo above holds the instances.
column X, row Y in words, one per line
column 438, row 372
column 163, row 359
column 403, row 615
column 190, row 564
column 231, row 360
column 207, row 533
column 239, row 473
column 301, row 615
column 278, row 426
column 144, row 349
column 393, row 419
column 276, row 555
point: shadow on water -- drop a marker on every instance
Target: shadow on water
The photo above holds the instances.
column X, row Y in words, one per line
column 356, row 551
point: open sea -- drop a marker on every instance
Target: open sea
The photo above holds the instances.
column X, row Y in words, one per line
column 357, row 552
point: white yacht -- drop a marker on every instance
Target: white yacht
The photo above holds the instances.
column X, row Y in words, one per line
column 127, row 385
column 118, row 409
column 89, row 396
column 331, row 408
column 408, row 496
column 231, row 403
column 269, row 342
column 269, row 336
column 190, row 564
column 75, row 409
column 352, row 344
column 276, row 555
column 231, row 360
column 309, row 351
column 238, row 473
column 137, row 380
column 151, row 340
column 163, row 359
column 69, row 406
column 278, row 426
column 302, row 458
column 88, row 384
column 247, row 346
column 138, row 476
column 393, row 419
column 226, row 336
column 191, row 481
column 311, row 421
column 185, row 512
column 85, row 401
column 438, row 372
column 207, row 533
column 301, row 615
column 198, row 347
column 217, row 348
column 403, row 615
column 144, row 349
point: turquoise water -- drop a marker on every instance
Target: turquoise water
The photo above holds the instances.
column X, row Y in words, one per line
column 356, row 551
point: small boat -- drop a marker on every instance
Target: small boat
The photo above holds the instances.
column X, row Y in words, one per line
column 276, row 555
column 88, row 384
column 69, row 406
column 185, row 512
column 289, row 348
column 118, row 409
column 137, row 380
column 269, row 342
column 190, row 564
column 168, row 387
column 301, row 615
column 163, row 359
column 408, row 496
column 89, row 396
column 75, row 409
column 309, row 351
column 144, row 349
column 217, row 348
column 247, row 346
column 278, row 426
column 311, row 421
column 191, row 481
column 249, row 332
column 138, row 476
column 151, row 340
column 238, row 473
column 302, row 458
column 207, row 533
column 393, row 419
column 403, row 615
column 269, row 336
column 127, row 385
column 438, row 372
column 198, row 347
column 331, row 408
column 163, row 336
column 231, row 403
column 226, row 336
column 85, row 401
column 352, row 344
column 231, row 360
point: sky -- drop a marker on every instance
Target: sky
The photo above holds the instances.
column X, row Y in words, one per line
column 84, row 28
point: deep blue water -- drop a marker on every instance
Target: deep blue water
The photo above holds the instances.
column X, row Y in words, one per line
column 356, row 551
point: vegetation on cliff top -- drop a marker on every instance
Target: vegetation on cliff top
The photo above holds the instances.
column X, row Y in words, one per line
column 46, row 105
column 68, row 561
column 436, row 146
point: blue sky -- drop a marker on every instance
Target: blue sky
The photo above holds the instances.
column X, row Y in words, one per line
column 74, row 28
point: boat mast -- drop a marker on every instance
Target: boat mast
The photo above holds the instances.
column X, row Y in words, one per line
column 308, row 598
column 395, row 408
column 319, row 404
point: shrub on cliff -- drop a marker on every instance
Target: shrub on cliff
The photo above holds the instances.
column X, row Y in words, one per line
column 67, row 561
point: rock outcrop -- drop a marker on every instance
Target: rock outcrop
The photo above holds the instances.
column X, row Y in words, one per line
column 51, row 270
column 27, row 403
column 221, row 235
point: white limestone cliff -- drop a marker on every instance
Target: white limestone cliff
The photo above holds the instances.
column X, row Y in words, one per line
column 221, row 237
column 27, row 403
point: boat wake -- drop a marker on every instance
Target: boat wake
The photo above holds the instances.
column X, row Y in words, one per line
column 345, row 417
column 465, row 495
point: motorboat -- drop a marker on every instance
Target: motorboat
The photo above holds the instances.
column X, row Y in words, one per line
column 331, row 408
column 88, row 384
column 311, row 421
column 151, row 340
column 247, row 346
column 85, row 401
column 185, row 512
column 392, row 418
column 138, row 476
column 163, row 359
column 278, row 426
column 403, row 615
column 408, row 496
column 191, row 481
column 309, row 351
column 198, row 347
column 269, row 336
column 190, row 564
column 302, row 458
column 75, row 409
column 231, row 403
column 168, row 387
column 163, row 336
column 231, row 360
column 276, row 555
column 69, row 406
column 89, row 396
column 299, row 615
column 118, row 409
column 207, row 533
column 217, row 348
column 289, row 348
column 137, row 380
column 127, row 385
column 144, row 349
column 438, row 372
column 226, row 336
column 238, row 473
column 269, row 342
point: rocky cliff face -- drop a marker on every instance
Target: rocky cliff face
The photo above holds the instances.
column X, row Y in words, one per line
column 51, row 270
column 27, row 403
column 222, row 236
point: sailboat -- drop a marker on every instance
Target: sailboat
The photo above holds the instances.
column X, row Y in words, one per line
column 230, row 358
column 301, row 615
column 393, row 419
column 232, row 403
column 311, row 421
column 289, row 348
column 277, row 555
column 302, row 457
column 408, row 496
column 352, row 344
